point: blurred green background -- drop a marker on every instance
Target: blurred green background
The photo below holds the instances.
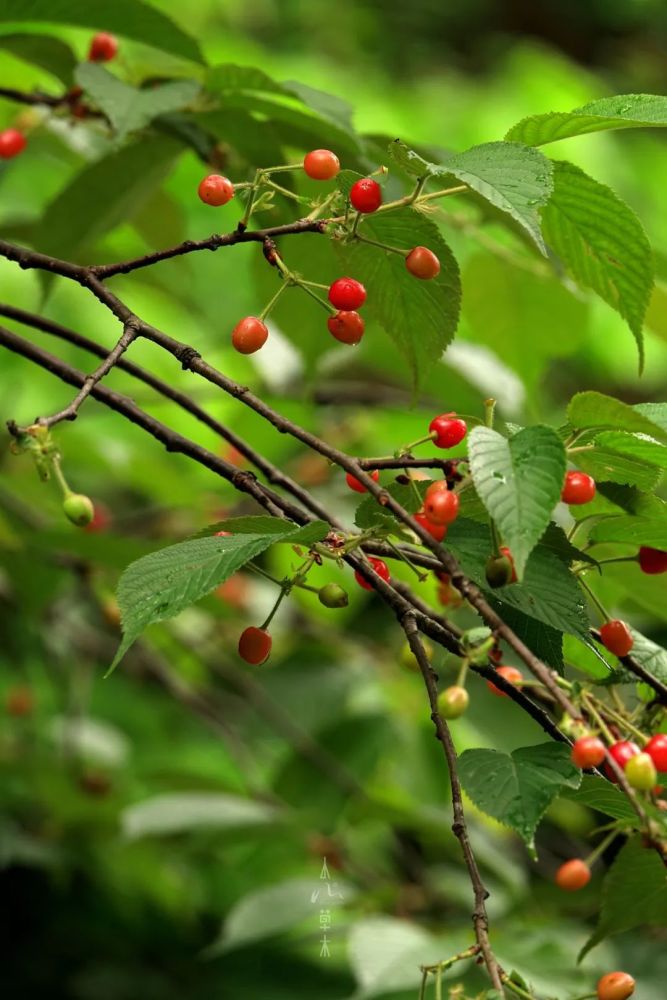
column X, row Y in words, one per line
column 163, row 831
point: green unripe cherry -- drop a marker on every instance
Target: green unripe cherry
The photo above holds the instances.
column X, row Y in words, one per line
column 641, row 773
column 408, row 658
column 452, row 702
column 331, row 595
column 499, row 571
column 79, row 509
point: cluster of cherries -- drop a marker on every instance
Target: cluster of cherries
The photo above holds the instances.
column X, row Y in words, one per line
column 103, row 48
column 346, row 295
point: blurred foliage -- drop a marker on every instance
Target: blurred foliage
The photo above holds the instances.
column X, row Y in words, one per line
column 141, row 823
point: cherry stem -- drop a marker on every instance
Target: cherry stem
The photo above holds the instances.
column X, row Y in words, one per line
column 406, row 559
column 601, row 724
column 418, row 188
column 601, row 848
column 622, row 721
column 269, row 306
column 325, row 305
column 284, row 191
column 607, row 562
column 382, row 246
column 283, row 168
column 489, row 410
column 596, row 601
column 515, row 988
column 407, row 448
column 60, row 476
column 461, row 679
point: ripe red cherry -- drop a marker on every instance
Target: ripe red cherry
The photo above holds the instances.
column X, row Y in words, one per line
column 12, row 142
column 622, row 752
column 249, row 335
column 348, row 327
column 347, row 293
column 447, row 430
column 437, row 531
column 441, row 506
column 656, row 748
column 652, row 561
column 616, row 637
column 254, row 645
column 615, row 986
column 578, row 488
column 573, row 875
column 321, row 164
column 358, row 487
column 216, row 190
column 380, row 567
column 510, row 674
column 366, row 195
column 103, row 47
column 588, row 751
column 423, row 263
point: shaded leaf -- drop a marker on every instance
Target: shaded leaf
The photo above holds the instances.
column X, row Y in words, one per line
column 603, row 796
column 45, row 51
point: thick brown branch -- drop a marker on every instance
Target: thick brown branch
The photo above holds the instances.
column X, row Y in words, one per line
column 479, row 917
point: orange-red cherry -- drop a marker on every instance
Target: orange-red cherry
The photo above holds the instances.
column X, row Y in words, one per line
column 366, row 195
column 437, row 531
column 616, row 637
column 380, row 567
column 347, row 293
column 441, row 506
column 255, row 645
column 321, row 164
column 573, row 875
column 447, row 430
column 12, row 142
column 346, row 326
column 215, row 190
column 578, row 488
column 615, row 986
column 510, row 674
column 422, row 263
column 249, row 335
column 588, row 751
column 357, row 486
column 103, row 47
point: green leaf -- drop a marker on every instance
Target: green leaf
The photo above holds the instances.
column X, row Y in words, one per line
column 602, row 243
column 624, row 111
column 632, row 530
column 129, row 18
column 594, row 409
column 610, row 466
column 396, row 298
column 519, row 481
column 264, row 524
column 410, row 161
column 543, row 640
column 104, row 195
column 275, row 909
column 162, row 584
column 45, row 51
column 509, row 176
column 370, row 512
column 548, row 592
column 385, row 955
column 128, row 108
column 639, row 446
column 601, row 795
column 655, row 412
column 634, row 893
column 517, row 789
column 180, row 812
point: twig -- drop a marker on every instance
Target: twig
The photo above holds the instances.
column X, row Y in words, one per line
column 639, row 671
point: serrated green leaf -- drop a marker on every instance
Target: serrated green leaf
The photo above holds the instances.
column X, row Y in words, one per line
column 602, row 243
column 408, row 160
column 555, row 539
column 517, row 789
column 548, row 592
column 519, row 481
column 655, row 412
column 610, row 466
column 603, row 796
column 637, row 446
column 45, row 51
column 162, row 584
column 587, row 657
column 543, row 640
column 649, row 655
column 129, row 18
column 594, row 409
column 103, row 195
column 634, row 893
column 632, row 530
column 624, row 111
column 395, row 297
column 128, row 108
column 509, row 176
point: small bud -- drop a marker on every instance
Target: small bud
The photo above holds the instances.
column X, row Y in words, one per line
column 331, row 595
column 79, row 509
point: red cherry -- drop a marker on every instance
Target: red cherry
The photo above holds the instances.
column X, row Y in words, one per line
column 103, row 47
column 578, row 488
column 447, row 430
column 215, row 190
column 358, row 487
column 504, row 551
column 615, row 986
column 347, row 293
column 423, row 263
column 255, row 645
column 441, row 506
column 573, row 875
column 656, row 748
column 622, row 752
column 321, row 164
column 588, row 751
column 511, row 675
column 12, row 142
column 380, row 567
column 348, row 327
column 249, row 335
column 616, row 636
column 366, row 195
column 437, row 531
column 652, row 561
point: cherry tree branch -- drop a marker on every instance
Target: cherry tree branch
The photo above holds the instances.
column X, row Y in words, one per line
column 631, row 664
